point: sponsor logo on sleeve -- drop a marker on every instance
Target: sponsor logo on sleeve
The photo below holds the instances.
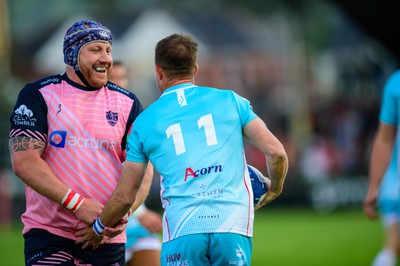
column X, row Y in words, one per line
column 24, row 116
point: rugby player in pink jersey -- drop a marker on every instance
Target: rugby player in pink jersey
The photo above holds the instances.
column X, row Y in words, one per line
column 67, row 144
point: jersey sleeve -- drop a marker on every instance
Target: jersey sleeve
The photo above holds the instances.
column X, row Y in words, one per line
column 245, row 110
column 389, row 107
column 137, row 108
column 135, row 151
column 29, row 116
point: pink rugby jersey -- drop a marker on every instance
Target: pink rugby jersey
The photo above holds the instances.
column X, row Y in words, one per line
column 85, row 131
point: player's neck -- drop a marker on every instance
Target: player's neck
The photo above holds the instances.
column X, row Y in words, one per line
column 180, row 81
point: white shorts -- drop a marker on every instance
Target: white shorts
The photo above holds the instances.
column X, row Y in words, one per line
column 145, row 243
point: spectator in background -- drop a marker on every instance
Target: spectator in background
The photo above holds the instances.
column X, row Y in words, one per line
column 119, row 74
column 318, row 159
column 143, row 245
column 384, row 180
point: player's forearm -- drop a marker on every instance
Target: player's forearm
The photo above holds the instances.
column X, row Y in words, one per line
column 379, row 161
column 144, row 187
column 36, row 173
column 277, row 166
column 116, row 208
column 381, row 154
column 257, row 133
column 124, row 194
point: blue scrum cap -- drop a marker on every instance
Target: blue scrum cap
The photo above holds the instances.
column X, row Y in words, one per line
column 80, row 34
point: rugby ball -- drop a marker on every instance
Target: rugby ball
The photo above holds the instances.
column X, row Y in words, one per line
column 258, row 183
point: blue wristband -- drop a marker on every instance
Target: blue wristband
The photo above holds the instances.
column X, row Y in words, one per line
column 98, row 227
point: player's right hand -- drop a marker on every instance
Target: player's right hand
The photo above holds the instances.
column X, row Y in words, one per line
column 370, row 204
column 116, row 230
column 88, row 238
column 89, row 211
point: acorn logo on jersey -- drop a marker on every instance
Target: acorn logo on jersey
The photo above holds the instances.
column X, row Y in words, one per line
column 112, row 117
column 57, row 138
column 203, row 171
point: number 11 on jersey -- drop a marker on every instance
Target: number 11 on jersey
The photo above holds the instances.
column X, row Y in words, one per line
column 205, row 121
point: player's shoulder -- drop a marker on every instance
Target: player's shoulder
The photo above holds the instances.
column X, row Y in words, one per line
column 393, row 82
column 215, row 90
column 151, row 112
column 221, row 93
column 114, row 87
column 395, row 74
column 43, row 82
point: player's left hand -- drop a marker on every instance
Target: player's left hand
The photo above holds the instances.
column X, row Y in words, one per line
column 269, row 197
column 268, row 181
column 152, row 221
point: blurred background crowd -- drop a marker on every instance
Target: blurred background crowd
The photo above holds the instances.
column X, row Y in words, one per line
column 311, row 68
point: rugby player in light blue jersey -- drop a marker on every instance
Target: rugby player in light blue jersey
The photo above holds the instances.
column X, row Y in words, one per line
column 194, row 137
column 384, row 173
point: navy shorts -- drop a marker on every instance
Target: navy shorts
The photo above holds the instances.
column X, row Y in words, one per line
column 44, row 248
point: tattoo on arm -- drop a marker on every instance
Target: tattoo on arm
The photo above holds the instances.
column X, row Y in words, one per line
column 25, row 143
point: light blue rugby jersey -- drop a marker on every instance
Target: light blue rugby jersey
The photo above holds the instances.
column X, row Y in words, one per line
column 193, row 137
column 389, row 114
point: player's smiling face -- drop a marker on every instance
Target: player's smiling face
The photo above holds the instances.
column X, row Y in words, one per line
column 95, row 61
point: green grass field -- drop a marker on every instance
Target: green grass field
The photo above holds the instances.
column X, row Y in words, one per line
column 302, row 237
column 282, row 237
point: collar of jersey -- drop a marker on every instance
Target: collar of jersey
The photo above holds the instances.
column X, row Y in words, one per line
column 178, row 87
column 79, row 86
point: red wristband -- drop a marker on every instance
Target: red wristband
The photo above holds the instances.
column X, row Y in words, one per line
column 72, row 200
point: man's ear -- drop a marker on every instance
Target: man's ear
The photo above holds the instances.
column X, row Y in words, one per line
column 196, row 70
column 159, row 72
